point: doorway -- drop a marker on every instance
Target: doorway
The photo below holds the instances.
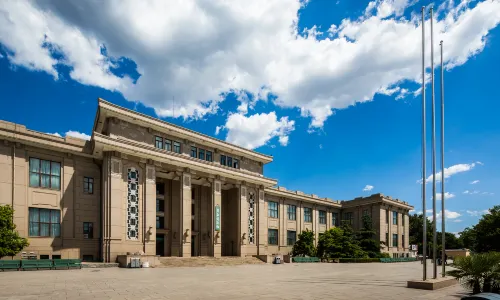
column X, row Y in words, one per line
column 229, row 220
column 160, row 244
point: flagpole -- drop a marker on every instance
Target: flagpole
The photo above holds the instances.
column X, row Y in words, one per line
column 424, row 238
column 443, row 217
column 433, row 146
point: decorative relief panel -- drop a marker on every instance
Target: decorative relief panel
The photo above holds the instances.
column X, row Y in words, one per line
column 251, row 218
column 133, row 204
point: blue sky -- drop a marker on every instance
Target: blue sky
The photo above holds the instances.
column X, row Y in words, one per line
column 329, row 88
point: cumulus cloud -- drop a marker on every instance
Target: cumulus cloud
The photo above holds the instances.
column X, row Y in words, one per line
column 368, row 188
column 475, row 192
column 78, row 135
column 199, row 51
column 56, row 134
column 474, row 182
column 256, row 130
column 448, row 215
column 448, row 172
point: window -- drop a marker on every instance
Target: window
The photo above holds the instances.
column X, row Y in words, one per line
column 88, row 185
column 365, row 212
column 177, row 147
column 44, row 256
column 291, row 237
column 160, row 188
column 292, row 212
column 44, row 222
column 168, row 145
column 201, row 154
column 236, row 164
column 160, row 205
column 88, row 230
column 87, row 257
column 229, row 161
column 160, row 222
column 194, row 152
column 387, row 217
column 394, row 240
column 45, row 174
column 403, row 241
column 56, row 256
column 208, row 157
column 335, row 219
column 403, row 220
column 387, row 239
column 395, row 218
column 322, row 217
column 348, row 218
column 223, row 160
column 272, row 209
column 307, row 215
column 272, row 236
column 158, row 142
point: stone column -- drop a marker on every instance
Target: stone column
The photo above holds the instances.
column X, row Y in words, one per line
column 315, row 225
column 389, row 228
column 243, row 220
column 186, row 202
column 282, row 224
column 216, row 225
column 262, row 226
column 149, row 215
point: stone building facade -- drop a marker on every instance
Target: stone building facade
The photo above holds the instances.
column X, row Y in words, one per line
column 144, row 185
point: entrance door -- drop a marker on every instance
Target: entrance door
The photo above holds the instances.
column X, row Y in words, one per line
column 160, row 244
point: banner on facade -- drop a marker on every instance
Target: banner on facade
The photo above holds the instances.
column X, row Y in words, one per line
column 217, row 217
column 414, row 248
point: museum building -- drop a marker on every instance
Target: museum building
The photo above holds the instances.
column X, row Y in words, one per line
column 144, row 185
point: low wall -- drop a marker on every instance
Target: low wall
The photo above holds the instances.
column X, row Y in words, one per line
column 124, row 260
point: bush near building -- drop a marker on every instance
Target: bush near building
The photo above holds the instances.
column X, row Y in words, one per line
column 10, row 241
column 304, row 246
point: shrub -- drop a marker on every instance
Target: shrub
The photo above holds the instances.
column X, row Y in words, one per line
column 10, row 241
column 358, row 260
column 478, row 272
column 304, row 246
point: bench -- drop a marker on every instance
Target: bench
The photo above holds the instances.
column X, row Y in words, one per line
column 36, row 264
column 10, row 264
column 67, row 263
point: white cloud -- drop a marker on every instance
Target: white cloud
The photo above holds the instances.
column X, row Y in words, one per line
column 368, row 188
column 474, row 182
column 448, row 172
column 456, row 221
column 256, row 130
column 197, row 51
column 56, row 134
column 448, row 215
column 475, row 192
column 218, row 129
column 477, row 213
column 446, row 196
column 78, row 135
column 479, row 163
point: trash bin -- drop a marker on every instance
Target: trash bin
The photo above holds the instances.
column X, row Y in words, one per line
column 135, row 263
column 277, row 260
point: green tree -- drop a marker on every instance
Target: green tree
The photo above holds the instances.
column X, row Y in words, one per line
column 488, row 231
column 366, row 240
column 468, row 238
column 329, row 243
column 10, row 241
column 304, row 246
column 416, row 223
column 350, row 245
column 478, row 272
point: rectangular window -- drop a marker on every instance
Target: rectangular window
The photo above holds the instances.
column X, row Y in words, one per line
column 403, row 220
column 223, row 160
column 348, row 218
column 209, row 156
column 160, row 205
column 194, row 152
column 387, row 239
column 236, row 164
column 335, row 219
column 45, row 174
column 168, row 145
column 272, row 236
column 395, row 218
column 229, row 161
column 307, row 215
column 291, row 237
column 403, row 241
column 322, row 217
column 158, row 142
column 177, row 147
column 365, row 212
column 292, row 212
column 44, row 222
column 394, row 240
column 87, row 257
column 387, row 217
column 160, row 222
column 272, row 209
column 201, row 154
column 88, row 230
column 88, row 185
column 56, row 256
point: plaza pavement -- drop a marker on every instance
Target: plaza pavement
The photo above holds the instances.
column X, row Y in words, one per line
column 260, row 281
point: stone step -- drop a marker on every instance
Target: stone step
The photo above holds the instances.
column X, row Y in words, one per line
column 99, row 265
column 207, row 261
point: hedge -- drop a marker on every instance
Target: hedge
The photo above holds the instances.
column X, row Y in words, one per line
column 299, row 259
column 358, row 260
